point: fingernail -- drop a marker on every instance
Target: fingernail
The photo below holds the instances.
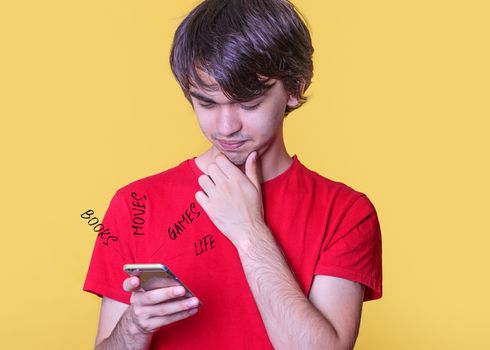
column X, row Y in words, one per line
column 179, row 291
column 192, row 302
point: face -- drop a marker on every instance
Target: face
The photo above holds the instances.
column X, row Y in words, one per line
column 237, row 129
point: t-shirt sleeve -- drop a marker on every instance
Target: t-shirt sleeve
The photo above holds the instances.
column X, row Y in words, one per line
column 353, row 251
column 111, row 251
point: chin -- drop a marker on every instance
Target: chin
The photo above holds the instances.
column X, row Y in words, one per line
column 237, row 158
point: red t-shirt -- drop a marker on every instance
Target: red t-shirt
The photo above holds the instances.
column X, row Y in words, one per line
column 323, row 227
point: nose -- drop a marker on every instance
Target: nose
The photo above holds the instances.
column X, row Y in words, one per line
column 228, row 121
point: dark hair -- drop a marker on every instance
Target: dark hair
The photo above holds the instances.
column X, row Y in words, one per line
column 242, row 44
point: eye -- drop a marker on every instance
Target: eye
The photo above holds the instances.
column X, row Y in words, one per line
column 207, row 106
column 250, row 108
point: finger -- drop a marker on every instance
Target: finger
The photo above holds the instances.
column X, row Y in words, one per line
column 171, row 307
column 152, row 324
column 202, row 199
column 216, row 174
column 206, row 184
column 251, row 169
column 131, row 284
column 228, row 168
column 157, row 296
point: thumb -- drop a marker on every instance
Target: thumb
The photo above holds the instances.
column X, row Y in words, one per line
column 251, row 169
column 131, row 284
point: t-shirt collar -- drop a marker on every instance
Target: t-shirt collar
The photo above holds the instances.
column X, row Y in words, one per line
column 294, row 164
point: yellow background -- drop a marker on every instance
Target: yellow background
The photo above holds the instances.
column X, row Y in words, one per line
column 399, row 109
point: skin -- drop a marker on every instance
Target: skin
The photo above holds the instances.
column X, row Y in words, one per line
column 261, row 128
column 328, row 318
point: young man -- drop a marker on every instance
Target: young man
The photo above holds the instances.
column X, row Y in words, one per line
column 279, row 256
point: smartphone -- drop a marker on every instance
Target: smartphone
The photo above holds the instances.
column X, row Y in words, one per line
column 153, row 276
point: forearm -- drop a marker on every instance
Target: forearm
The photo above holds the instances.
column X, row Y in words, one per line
column 126, row 336
column 292, row 322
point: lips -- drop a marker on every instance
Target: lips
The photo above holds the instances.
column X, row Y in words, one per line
column 230, row 145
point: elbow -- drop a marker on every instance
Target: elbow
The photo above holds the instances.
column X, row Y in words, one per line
column 345, row 342
column 99, row 344
column 342, row 340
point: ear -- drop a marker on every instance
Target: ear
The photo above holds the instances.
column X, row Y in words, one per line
column 293, row 100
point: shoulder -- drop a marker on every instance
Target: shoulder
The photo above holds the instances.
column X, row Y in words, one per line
column 336, row 192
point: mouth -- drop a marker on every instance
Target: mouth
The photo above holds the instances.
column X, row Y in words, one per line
column 230, row 145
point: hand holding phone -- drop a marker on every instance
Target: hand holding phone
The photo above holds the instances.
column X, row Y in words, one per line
column 154, row 276
column 155, row 301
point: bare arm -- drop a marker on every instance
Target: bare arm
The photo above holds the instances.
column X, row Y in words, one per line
column 116, row 329
column 329, row 320
column 123, row 326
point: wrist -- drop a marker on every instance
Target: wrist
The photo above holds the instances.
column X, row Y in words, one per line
column 255, row 234
column 132, row 328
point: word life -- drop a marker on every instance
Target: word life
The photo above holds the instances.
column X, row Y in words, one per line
column 205, row 244
column 138, row 213
column 175, row 230
column 94, row 221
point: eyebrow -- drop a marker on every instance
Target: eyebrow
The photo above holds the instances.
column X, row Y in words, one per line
column 202, row 97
